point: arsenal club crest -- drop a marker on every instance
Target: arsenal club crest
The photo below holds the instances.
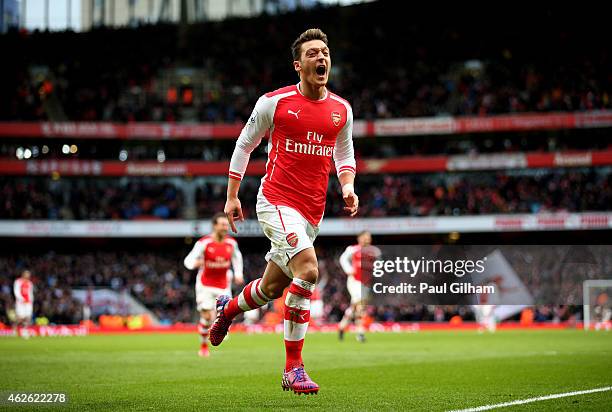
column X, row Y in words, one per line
column 292, row 239
column 336, row 118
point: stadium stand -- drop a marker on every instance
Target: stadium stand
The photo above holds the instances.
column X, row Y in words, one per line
column 567, row 190
column 433, row 68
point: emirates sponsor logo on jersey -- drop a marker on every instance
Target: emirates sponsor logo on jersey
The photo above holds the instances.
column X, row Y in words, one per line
column 219, row 263
column 292, row 239
column 309, row 148
column 336, row 118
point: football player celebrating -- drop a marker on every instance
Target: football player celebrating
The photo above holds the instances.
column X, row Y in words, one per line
column 309, row 126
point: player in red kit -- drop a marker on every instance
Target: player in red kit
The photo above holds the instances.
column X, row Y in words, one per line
column 352, row 261
column 24, row 302
column 213, row 255
column 309, row 126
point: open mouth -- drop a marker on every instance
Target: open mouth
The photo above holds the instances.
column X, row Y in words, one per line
column 321, row 69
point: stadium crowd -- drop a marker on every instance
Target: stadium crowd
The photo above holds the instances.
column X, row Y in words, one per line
column 436, row 66
column 482, row 193
column 568, row 190
column 151, row 278
column 83, row 199
column 164, row 286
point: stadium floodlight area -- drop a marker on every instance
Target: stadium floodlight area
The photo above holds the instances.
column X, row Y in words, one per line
column 597, row 304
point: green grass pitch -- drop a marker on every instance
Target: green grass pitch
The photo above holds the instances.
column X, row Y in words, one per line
column 393, row 371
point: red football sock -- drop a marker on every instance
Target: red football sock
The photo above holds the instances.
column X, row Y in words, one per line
column 293, row 352
column 203, row 332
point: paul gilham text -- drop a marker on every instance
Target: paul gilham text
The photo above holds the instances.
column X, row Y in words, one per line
column 458, row 288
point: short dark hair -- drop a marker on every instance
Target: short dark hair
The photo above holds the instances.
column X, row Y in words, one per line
column 217, row 216
column 310, row 34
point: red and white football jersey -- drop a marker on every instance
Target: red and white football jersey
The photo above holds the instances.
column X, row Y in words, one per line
column 23, row 290
column 305, row 135
column 218, row 258
column 356, row 260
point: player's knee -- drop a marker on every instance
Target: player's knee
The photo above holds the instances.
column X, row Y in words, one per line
column 206, row 315
column 309, row 272
column 272, row 291
column 359, row 310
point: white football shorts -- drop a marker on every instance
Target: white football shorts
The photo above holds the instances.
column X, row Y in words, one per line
column 289, row 232
column 206, row 296
column 23, row 310
column 358, row 291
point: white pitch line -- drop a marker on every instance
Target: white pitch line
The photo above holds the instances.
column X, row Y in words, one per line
column 539, row 398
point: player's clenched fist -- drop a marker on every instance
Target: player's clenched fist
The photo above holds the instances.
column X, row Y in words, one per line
column 233, row 211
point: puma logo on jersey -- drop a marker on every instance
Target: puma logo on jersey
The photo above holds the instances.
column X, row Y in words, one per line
column 294, row 113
